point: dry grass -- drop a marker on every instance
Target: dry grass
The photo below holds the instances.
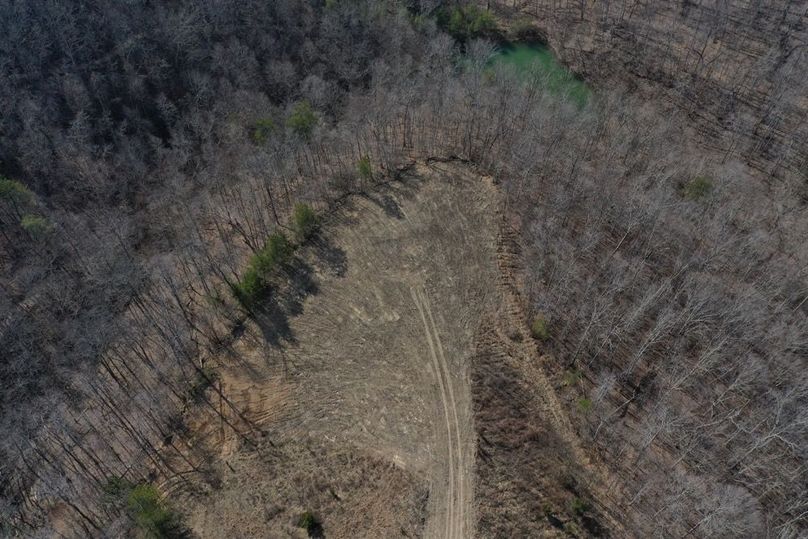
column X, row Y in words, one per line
column 264, row 491
column 370, row 382
column 359, row 374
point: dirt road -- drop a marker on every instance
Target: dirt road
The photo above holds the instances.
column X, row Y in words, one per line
column 451, row 486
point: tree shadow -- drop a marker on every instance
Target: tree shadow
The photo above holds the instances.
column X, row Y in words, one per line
column 388, row 197
column 316, row 531
column 295, row 283
column 319, row 253
column 330, row 256
column 388, row 204
column 177, row 529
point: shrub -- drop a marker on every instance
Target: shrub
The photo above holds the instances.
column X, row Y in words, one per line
column 35, row 225
column 14, row 191
column 572, row 377
column 584, row 405
column 304, row 221
column 253, row 284
column 149, row 512
column 275, row 252
column 579, row 506
column 145, row 506
column 302, row 119
column 538, row 329
column 697, row 188
column 466, row 22
column 249, row 289
column 262, row 129
column 364, row 168
column 309, row 522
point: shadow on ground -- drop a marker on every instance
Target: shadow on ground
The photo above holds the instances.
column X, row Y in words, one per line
column 388, row 205
column 295, row 283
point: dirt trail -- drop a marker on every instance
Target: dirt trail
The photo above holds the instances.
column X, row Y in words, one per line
column 452, row 497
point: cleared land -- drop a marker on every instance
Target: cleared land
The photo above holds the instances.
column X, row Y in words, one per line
column 371, row 354
column 400, row 337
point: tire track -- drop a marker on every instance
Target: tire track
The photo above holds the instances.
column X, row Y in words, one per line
column 460, row 495
column 456, row 497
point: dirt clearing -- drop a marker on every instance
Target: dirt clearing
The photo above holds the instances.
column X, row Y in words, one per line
column 374, row 361
column 397, row 386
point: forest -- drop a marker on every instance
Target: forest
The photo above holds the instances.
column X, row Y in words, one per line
column 160, row 161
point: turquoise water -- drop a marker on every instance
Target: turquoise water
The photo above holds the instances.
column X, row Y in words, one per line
column 537, row 62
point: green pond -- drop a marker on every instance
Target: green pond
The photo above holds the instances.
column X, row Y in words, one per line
column 536, row 62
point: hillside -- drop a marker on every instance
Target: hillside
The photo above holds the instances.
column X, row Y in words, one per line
column 362, row 268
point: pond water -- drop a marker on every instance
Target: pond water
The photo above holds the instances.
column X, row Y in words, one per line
column 537, row 62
